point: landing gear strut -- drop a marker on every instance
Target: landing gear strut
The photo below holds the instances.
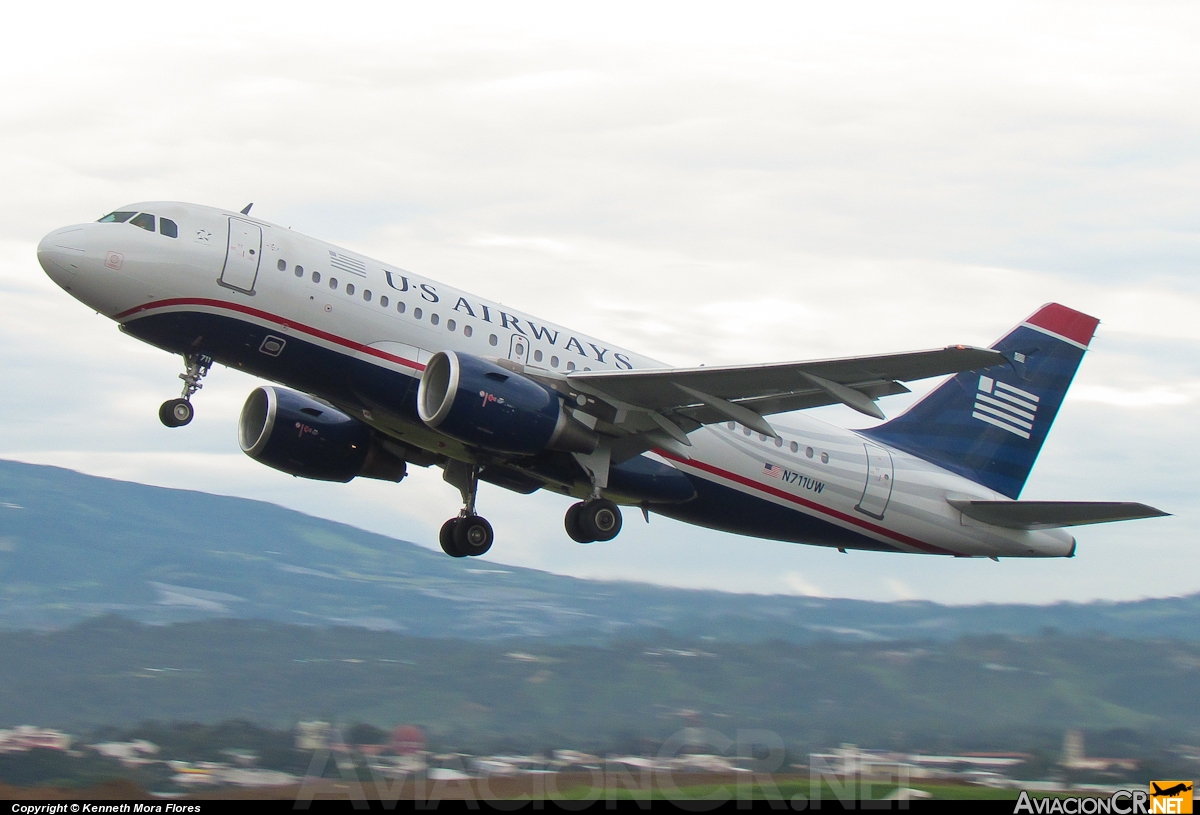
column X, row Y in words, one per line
column 468, row 535
column 178, row 412
column 597, row 519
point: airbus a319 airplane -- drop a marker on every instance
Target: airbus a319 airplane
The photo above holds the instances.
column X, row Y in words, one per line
column 382, row 368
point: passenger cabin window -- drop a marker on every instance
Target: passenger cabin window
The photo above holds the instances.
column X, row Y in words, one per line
column 116, row 217
column 145, row 220
column 167, row 227
column 281, row 265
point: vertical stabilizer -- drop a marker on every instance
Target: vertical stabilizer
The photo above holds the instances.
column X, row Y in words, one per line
column 989, row 425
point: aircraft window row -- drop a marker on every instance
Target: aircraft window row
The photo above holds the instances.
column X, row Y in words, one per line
column 401, row 308
column 144, row 220
column 793, row 446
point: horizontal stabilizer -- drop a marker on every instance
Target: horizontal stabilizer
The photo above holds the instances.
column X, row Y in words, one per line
column 1052, row 514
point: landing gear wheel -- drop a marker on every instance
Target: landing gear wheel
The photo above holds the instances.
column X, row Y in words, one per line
column 446, row 538
column 176, row 412
column 473, row 535
column 600, row 519
column 571, row 522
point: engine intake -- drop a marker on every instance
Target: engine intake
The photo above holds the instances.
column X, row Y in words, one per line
column 302, row 436
column 481, row 404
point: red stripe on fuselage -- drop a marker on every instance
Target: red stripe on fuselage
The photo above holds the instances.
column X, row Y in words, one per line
column 366, row 349
column 833, row 513
column 274, row 318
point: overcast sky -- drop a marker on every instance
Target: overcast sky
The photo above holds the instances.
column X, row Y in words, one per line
column 717, row 184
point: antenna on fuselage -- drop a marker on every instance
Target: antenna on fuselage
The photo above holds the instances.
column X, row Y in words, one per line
column 246, row 209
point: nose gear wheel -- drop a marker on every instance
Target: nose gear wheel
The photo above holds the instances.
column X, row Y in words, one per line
column 178, row 412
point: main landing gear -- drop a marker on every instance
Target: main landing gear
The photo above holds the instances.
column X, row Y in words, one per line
column 468, row 535
column 597, row 519
column 178, row 412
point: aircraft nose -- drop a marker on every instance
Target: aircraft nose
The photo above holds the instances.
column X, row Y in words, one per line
column 61, row 253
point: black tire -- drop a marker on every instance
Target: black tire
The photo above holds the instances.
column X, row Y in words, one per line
column 446, row 539
column 175, row 412
column 600, row 519
column 571, row 522
column 473, row 535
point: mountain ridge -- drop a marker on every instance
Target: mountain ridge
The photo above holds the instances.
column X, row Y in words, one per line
column 75, row 546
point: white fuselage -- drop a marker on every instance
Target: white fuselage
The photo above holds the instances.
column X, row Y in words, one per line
column 304, row 291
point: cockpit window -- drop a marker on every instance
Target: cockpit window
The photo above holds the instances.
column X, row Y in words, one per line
column 116, row 217
column 145, row 220
column 167, row 227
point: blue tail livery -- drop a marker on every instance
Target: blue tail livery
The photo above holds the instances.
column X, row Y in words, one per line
column 989, row 425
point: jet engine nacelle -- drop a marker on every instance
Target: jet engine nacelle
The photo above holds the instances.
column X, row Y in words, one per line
column 483, row 405
column 301, row 436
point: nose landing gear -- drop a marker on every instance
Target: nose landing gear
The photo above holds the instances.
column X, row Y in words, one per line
column 597, row 519
column 468, row 535
column 178, row 412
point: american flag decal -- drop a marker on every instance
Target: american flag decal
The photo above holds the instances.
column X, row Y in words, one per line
column 1006, row 407
column 347, row 263
column 773, row 470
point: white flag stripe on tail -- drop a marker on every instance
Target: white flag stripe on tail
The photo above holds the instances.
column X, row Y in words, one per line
column 1008, row 417
column 1018, row 392
column 1001, row 425
column 1008, row 397
column 982, row 397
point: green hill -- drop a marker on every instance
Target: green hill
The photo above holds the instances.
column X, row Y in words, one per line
column 73, row 547
column 981, row 692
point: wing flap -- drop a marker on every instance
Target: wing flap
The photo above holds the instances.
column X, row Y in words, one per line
column 1052, row 514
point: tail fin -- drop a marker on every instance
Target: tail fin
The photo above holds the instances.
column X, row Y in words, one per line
column 989, row 425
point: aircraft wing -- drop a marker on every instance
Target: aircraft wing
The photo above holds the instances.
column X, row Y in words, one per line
column 671, row 402
column 1052, row 514
column 779, row 387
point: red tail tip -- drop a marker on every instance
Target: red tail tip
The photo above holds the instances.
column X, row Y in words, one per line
column 1066, row 322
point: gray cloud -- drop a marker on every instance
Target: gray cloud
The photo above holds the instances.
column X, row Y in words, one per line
column 788, row 181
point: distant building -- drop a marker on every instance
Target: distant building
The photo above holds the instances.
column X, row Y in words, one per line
column 129, row 753
column 27, row 737
column 313, row 735
column 1075, row 759
column 407, row 740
